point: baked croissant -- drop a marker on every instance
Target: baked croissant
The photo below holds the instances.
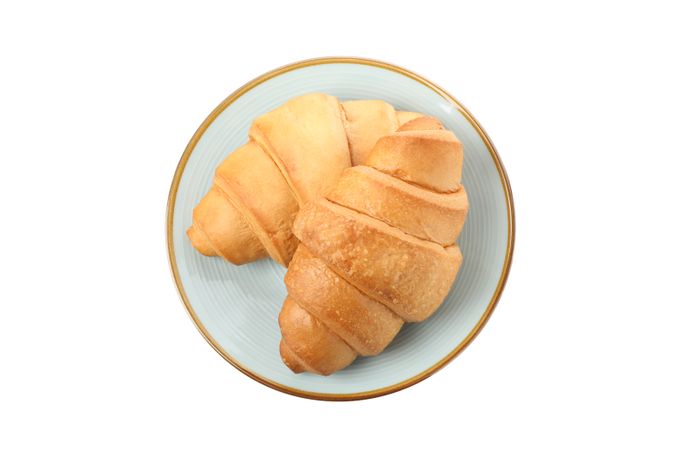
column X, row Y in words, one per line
column 377, row 251
column 295, row 153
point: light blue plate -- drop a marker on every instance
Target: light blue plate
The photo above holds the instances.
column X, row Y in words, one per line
column 236, row 308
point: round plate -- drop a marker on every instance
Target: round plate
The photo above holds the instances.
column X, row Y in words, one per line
column 236, row 307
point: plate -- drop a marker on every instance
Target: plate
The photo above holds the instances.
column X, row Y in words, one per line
column 236, row 307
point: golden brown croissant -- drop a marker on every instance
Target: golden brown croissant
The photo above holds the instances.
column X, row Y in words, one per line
column 377, row 251
column 295, row 153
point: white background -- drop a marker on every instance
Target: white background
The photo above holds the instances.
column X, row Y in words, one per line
column 585, row 104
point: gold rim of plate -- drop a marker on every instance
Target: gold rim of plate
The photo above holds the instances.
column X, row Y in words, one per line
column 376, row 392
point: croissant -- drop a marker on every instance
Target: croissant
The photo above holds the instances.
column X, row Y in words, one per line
column 295, row 153
column 377, row 251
